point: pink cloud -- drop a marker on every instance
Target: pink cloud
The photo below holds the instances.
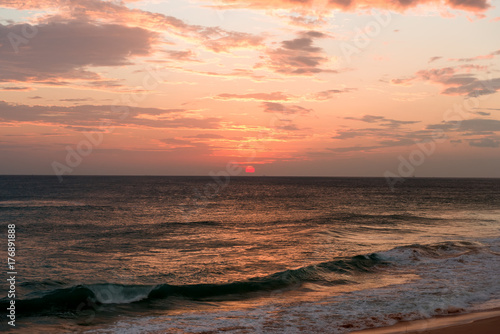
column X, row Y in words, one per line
column 352, row 5
column 480, row 57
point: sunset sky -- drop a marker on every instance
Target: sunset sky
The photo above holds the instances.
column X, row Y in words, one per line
column 288, row 87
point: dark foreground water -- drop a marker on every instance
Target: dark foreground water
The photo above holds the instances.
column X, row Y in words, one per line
column 247, row 255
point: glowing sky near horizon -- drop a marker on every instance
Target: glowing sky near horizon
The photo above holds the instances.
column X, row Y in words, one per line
column 326, row 88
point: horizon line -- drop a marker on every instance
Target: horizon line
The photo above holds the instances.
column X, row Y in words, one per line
column 283, row 176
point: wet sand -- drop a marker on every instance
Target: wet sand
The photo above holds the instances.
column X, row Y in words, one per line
column 483, row 326
column 487, row 322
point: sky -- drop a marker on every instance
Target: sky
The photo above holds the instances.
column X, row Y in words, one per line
column 396, row 88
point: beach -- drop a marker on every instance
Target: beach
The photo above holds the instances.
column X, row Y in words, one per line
column 484, row 326
column 486, row 322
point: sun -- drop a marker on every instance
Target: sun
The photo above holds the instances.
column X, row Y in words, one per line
column 250, row 169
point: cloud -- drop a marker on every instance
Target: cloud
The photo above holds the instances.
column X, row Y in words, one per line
column 284, row 97
column 182, row 147
column 481, row 57
column 441, row 126
column 353, row 5
column 304, row 43
column 381, row 144
column 473, row 5
column 76, row 100
column 207, row 136
column 396, row 140
column 16, row 88
column 187, row 55
column 485, row 142
column 482, row 113
column 353, row 149
column 94, row 116
column 274, row 107
column 219, row 40
column 454, row 82
column 353, row 133
column 298, row 56
column 385, row 132
column 389, row 133
column 213, row 38
column 403, row 81
column 471, row 128
column 387, row 122
column 64, row 50
column 433, row 59
column 235, row 73
column 274, row 96
column 479, row 125
column 329, row 94
column 303, row 20
column 178, row 143
column 289, row 127
column 475, row 88
column 367, row 118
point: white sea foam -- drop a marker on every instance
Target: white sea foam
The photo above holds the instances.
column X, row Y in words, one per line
column 119, row 294
column 452, row 278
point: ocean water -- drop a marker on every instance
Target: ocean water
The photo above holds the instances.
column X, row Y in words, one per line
column 247, row 255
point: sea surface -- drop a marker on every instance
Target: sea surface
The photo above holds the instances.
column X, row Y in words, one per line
column 101, row 254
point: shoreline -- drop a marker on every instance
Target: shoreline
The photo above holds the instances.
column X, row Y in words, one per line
column 484, row 322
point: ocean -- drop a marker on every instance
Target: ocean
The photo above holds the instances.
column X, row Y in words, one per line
column 138, row 254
